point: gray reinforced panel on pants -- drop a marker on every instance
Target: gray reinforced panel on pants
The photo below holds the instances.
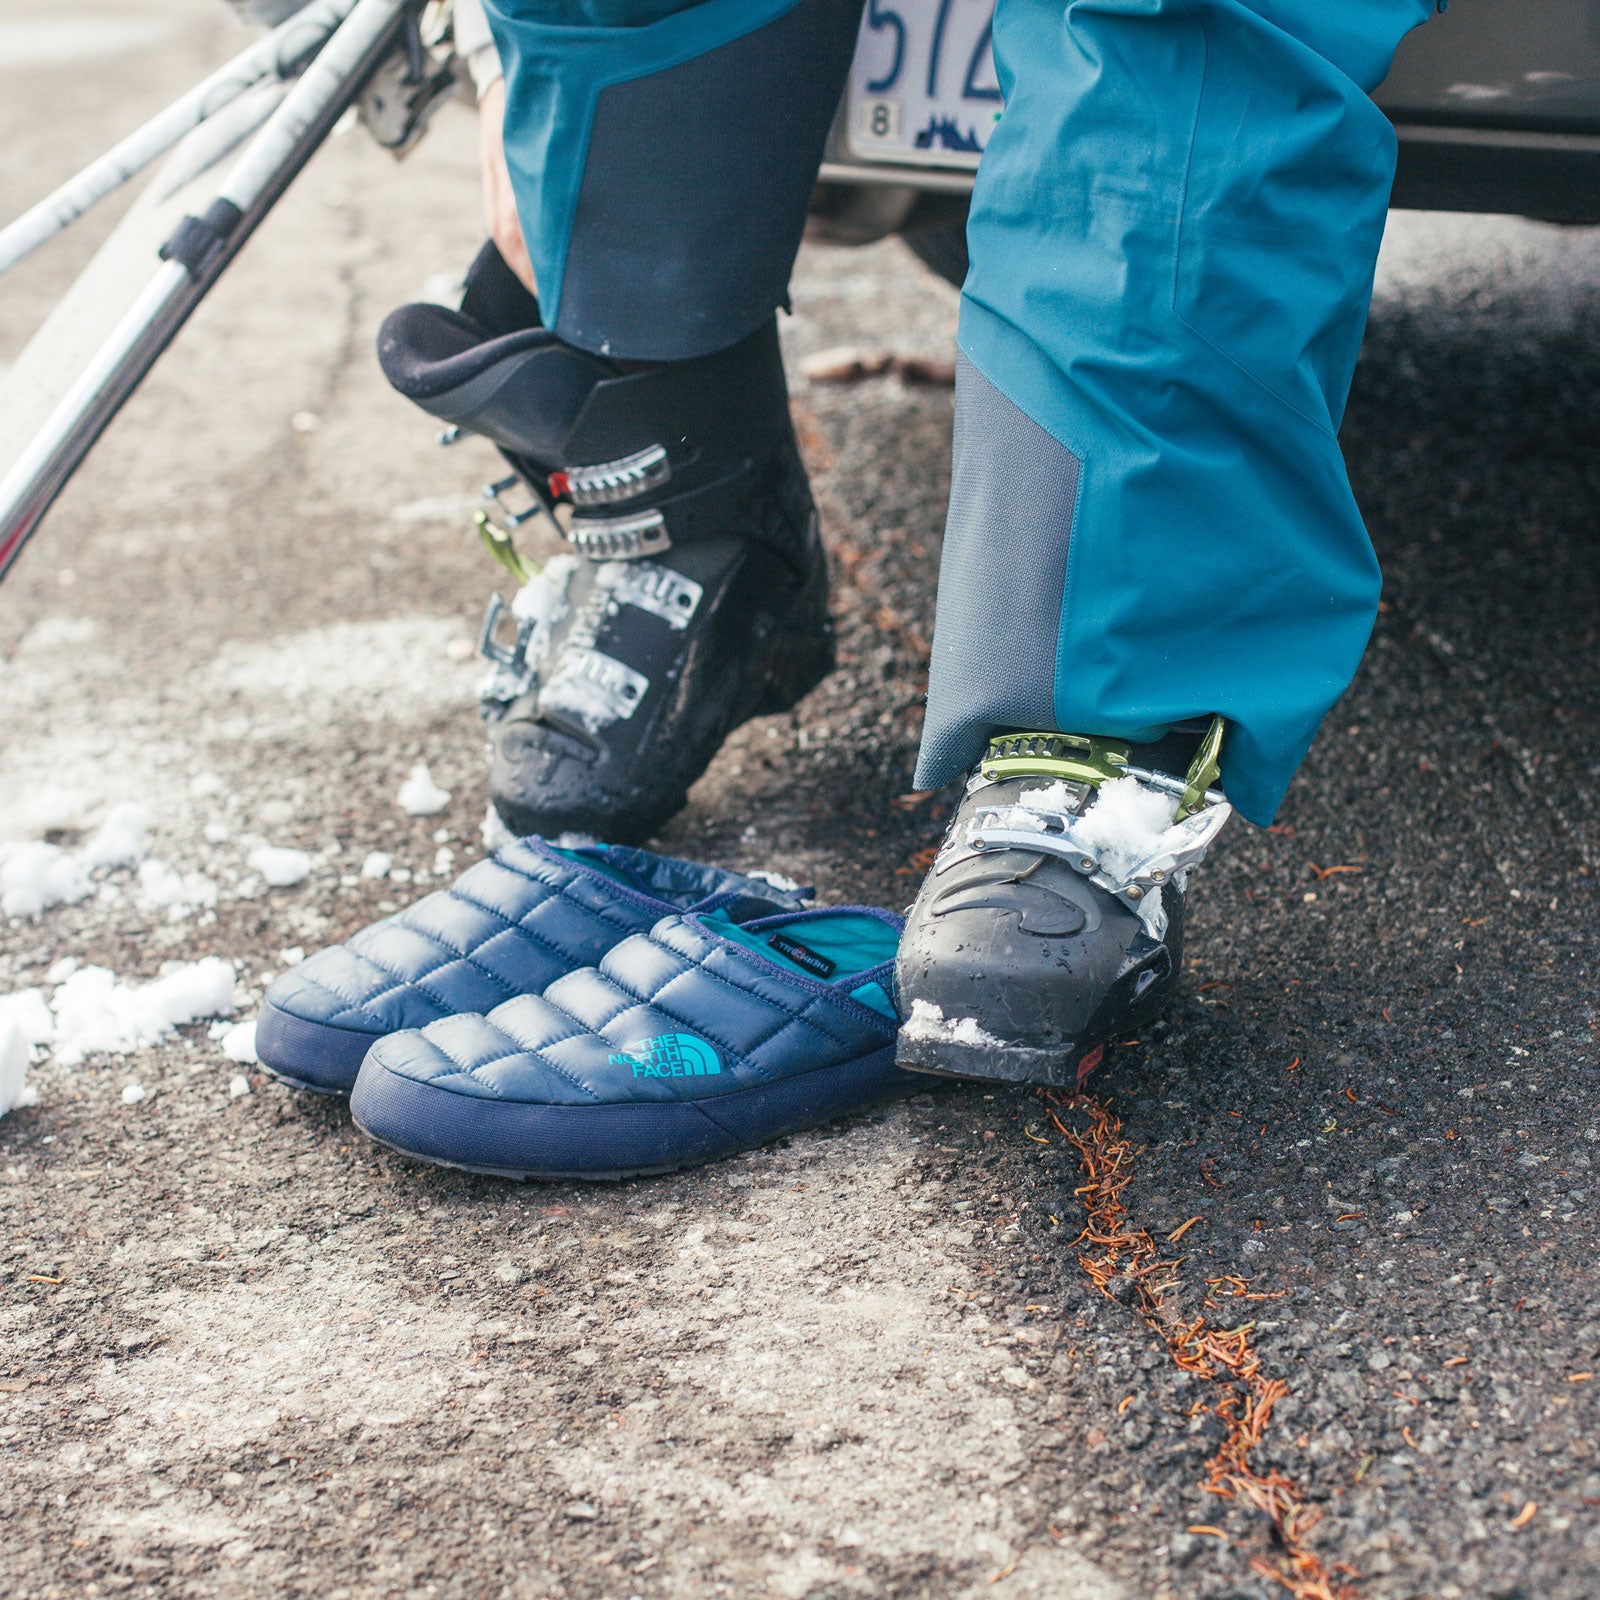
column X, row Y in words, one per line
column 695, row 190
column 1013, row 492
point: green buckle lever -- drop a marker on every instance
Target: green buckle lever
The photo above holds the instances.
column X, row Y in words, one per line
column 498, row 543
column 1081, row 758
column 1073, row 756
column 1203, row 771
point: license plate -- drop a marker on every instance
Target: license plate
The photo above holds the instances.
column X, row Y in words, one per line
column 923, row 90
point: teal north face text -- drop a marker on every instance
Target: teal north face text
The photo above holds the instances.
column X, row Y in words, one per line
column 670, row 1055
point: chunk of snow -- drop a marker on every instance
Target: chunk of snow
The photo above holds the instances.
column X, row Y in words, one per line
column 205, row 784
column 377, row 864
column 293, row 956
column 14, row 1057
column 178, row 893
column 928, row 1021
column 29, row 1014
column 574, row 841
column 542, row 600
column 119, row 841
column 776, row 879
column 279, row 866
column 444, row 858
column 94, row 1013
column 574, row 693
column 420, row 796
column 55, row 808
column 35, row 876
column 217, row 832
column 1057, row 796
column 238, row 1085
column 62, row 970
column 1125, row 824
column 239, row 1042
column 159, row 884
column 132, row 1093
column 494, row 833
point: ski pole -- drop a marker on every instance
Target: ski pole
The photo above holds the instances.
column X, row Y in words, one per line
column 194, row 257
column 279, row 55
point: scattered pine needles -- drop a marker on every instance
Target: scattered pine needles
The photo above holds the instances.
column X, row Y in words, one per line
column 1123, row 1263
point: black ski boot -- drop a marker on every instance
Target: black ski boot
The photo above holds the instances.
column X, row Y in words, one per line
column 1052, row 918
column 696, row 592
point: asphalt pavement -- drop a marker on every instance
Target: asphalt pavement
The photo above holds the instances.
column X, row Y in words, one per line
column 245, row 1352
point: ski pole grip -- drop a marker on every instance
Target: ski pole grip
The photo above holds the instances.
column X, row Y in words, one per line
column 197, row 241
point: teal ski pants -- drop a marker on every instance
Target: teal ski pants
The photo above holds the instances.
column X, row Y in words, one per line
column 1172, row 237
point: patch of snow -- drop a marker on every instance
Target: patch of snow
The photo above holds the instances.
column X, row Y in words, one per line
column 205, row 784
column 1024, row 819
column 928, row 1021
column 279, row 866
column 776, row 879
column 62, row 970
column 444, row 860
column 292, row 956
column 1125, row 824
column 494, row 833
column 29, row 1013
column 178, row 893
column 119, row 841
column 1057, row 796
column 365, row 670
column 542, row 600
column 420, row 796
column 132, row 1093
column 239, row 1042
column 94, row 1013
column 51, row 633
column 238, row 1085
column 56, row 808
column 35, row 876
column 218, row 833
column 436, row 508
column 581, row 698
column 377, row 864
column 574, row 841
column 15, row 1054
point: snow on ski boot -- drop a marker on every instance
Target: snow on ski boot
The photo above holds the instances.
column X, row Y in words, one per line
column 695, row 595
column 1052, row 918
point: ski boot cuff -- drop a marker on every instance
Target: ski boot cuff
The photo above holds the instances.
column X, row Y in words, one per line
column 643, row 461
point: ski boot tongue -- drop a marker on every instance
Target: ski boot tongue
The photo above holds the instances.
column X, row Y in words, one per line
column 1052, row 919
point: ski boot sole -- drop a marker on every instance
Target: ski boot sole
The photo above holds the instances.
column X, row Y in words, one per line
column 1064, row 1068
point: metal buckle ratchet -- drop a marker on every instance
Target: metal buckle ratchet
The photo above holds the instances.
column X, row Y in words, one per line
column 620, row 538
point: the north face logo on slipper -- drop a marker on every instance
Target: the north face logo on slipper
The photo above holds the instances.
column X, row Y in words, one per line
column 670, row 1055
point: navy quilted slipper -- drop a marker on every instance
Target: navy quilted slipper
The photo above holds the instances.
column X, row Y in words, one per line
column 694, row 1040
column 508, row 926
